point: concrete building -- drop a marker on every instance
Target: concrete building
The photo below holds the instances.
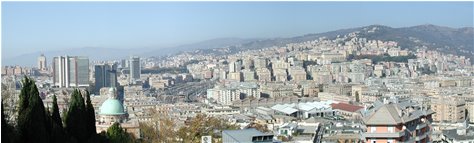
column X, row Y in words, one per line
column 459, row 135
column 105, row 76
column 340, row 89
column 275, row 90
column 71, row 71
column 247, row 63
column 280, row 64
column 112, row 111
column 264, row 74
column 348, row 111
column 448, row 109
column 322, row 77
column 223, row 95
column 235, row 66
column 333, row 96
column 249, row 75
column 470, row 111
column 260, row 63
column 280, row 75
column 135, row 69
column 297, row 74
column 42, row 63
column 246, row 136
column 397, row 122
column 237, row 76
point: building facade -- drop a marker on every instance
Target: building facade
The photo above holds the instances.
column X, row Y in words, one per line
column 105, row 76
column 71, row 71
column 42, row 63
column 448, row 109
column 397, row 122
column 135, row 69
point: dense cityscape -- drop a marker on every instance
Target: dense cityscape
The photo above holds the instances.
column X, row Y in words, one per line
column 346, row 89
column 237, row 72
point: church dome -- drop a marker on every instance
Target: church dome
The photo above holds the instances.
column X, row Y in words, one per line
column 111, row 107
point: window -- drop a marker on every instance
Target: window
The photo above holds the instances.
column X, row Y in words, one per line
column 374, row 141
column 390, row 129
column 373, row 129
column 389, row 141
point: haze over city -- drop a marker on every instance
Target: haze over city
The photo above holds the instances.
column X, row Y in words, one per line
column 30, row 27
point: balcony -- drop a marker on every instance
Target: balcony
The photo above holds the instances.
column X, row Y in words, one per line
column 423, row 136
column 385, row 135
column 421, row 126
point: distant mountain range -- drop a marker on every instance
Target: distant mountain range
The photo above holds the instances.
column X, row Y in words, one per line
column 458, row 41
column 448, row 40
column 99, row 53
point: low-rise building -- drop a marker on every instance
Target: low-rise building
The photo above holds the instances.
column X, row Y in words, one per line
column 246, row 136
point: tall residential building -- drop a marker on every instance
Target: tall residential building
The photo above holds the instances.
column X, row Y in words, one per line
column 235, row 66
column 135, row 68
column 105, row 76
column 397, row 122
column 42, row 63
column 71, row 71
column 448, row 109
column 249, row 75
column 123, row 63
column 264, row 74
column 260, row 63
column 470, row 111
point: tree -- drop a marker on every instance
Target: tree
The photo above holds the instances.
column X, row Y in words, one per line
column 55, row 116
column 201, row 125
column 8, row 132
column 161, row 129
column 75, row 119
column 32, row 119
column 149, row 133
column 116, row 134
column 58, row 135
column 90, row 116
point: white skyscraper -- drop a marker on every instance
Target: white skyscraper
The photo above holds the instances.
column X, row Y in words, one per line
column 135, row 69
column 71, row 71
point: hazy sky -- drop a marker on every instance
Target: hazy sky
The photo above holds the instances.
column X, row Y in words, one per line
column 41, row 26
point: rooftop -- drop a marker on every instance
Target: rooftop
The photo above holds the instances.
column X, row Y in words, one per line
column 246, row 135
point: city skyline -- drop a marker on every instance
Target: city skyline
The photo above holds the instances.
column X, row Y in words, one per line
column 126, row 25
column 371, row 72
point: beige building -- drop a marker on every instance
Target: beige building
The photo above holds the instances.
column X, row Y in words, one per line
column 297, row 74
column 310, row 90
column 249, row 75
column 264, row 74
column 470, row 110
column 234, row 76
column 324, row 96
column 322, row 77
column 448, row 109
column 341, row 89
column 280, row 75
column 42, row 63
column 275, row 90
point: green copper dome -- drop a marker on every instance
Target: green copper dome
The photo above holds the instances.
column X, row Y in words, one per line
column 111, row 107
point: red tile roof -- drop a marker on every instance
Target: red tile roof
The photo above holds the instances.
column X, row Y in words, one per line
column 346, row 107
